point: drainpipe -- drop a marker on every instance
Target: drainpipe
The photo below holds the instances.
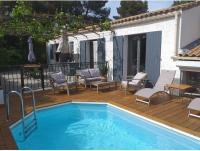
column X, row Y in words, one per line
column 177, row 31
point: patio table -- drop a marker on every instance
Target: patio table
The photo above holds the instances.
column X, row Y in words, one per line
column 104, row 84
column 180, row 87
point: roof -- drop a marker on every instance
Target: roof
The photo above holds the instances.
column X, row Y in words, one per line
column 192, row 49
column 156, row 13
column 144, row 16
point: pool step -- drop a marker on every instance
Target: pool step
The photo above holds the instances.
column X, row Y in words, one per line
column 30, row 127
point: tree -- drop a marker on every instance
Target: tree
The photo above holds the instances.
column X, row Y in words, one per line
column 43, row 21
column 130, row 8
column 95, row 11
column 179, row 2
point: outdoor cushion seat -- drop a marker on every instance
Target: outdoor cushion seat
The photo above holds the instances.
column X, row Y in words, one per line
column 57, row 80
column 85, row 73
column 94, row 72
column 94, row 79
column 89, row 75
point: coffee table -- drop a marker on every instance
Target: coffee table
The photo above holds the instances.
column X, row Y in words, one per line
column 101, row 84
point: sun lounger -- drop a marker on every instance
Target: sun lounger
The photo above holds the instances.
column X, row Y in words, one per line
column 194, row 105
column 137, row 82
column 166, row 77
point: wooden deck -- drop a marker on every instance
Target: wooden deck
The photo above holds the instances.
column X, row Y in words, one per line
column 172, row 113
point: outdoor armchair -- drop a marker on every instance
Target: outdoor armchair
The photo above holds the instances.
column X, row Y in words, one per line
column 57, row 80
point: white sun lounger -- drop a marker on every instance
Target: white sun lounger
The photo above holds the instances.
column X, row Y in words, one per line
column 194, row 105
column 137, row 82
column 166, row 77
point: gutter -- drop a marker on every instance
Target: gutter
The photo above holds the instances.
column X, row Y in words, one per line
column 186, row 58
column 142, row 20
column 177, row 31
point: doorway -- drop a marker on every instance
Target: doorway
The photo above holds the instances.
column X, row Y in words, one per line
column 136, row 54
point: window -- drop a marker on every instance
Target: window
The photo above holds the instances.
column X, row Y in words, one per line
column 51, row 52
column 71, row 47
column 192, row 78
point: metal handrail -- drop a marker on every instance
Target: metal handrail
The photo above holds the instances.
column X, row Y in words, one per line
column 33, row 98
column 22, row 107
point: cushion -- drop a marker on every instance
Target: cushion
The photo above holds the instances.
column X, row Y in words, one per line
column 94, row 79
column 94, row 72
column 137, row 78
column 58, row 77
column 124, row 84
column 85, row 73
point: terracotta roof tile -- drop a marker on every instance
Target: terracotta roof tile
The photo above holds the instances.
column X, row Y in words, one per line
column 192, row 50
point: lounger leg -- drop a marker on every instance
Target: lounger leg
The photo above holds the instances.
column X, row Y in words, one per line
column 189, row 114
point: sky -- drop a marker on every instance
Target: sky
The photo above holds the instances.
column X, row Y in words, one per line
column 152, row 4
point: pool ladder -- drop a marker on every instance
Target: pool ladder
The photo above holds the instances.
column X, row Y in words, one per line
column 27, row 128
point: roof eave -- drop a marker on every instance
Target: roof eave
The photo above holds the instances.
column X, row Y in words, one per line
column 186, row 58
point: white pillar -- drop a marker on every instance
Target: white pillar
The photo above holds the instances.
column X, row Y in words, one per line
column 138, row 55
column 1, row 96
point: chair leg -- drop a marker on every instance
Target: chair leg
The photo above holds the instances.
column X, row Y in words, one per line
column 67, row 90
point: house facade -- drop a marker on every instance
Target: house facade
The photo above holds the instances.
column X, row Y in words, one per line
column 148, row 42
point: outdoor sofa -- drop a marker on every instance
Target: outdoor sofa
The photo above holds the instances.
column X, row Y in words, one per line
column 89, row 75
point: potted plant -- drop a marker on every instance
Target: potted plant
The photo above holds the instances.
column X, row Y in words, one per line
column 104, row 72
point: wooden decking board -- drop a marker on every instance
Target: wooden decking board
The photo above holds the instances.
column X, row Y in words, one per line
column 164, row 109
column 172, row 113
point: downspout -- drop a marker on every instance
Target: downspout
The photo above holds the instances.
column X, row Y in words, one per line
column 177, row 31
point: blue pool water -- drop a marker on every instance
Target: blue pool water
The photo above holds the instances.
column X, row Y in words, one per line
column 98, row 126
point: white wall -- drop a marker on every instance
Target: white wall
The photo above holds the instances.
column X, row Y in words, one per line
column 93, row 36
column 190, row 26
column 167, row 26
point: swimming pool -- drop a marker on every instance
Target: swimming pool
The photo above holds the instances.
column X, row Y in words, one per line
column 98, row 126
